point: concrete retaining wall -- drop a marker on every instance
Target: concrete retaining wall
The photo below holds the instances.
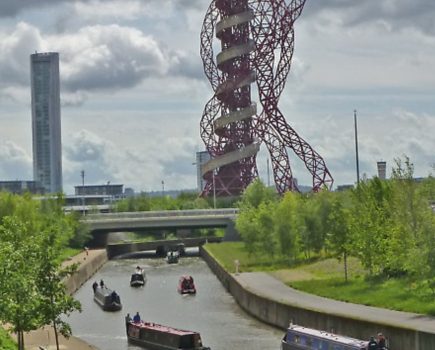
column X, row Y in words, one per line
column 280, row 315
column 85, row 271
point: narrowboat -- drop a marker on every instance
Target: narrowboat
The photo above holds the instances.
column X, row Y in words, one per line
column 186, row 285
column 154, row 336
column 138, row 278
column 303, row 338
column 172, row 257
column 108, row 299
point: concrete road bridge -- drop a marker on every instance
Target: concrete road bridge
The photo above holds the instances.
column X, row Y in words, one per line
column 101, row 224
column 161, row 247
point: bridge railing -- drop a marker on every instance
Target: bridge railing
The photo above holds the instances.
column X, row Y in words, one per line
column 163, row 213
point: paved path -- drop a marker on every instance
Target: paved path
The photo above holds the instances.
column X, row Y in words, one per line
column 265, row 285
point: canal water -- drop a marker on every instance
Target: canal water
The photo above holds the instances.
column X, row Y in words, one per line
column 212, row 311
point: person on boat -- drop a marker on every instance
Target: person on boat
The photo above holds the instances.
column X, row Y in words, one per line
column 127, row 321
column 115, row 297
column 101, row 283
column 191, row 284
column 136, row 318
column 381, row 342
column 95, row 286
column 372, row 345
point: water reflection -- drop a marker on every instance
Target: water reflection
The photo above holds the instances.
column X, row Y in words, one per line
column 212, row 311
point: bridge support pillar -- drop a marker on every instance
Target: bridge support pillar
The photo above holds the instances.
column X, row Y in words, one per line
column 231, row 234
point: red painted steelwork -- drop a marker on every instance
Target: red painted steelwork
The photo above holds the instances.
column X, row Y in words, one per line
column 257, row 42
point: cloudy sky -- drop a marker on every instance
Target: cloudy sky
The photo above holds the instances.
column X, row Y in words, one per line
column 133, row 88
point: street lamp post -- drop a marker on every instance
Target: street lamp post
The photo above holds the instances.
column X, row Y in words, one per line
column 82, row 173
column 214, row 191
column 356, row 147
column 163, row 188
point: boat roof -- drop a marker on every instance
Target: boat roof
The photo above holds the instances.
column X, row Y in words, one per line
column 184, row 277
column 161, row 328
column 327, row 335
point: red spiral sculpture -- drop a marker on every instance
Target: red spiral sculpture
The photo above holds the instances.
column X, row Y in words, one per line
column 257, row 41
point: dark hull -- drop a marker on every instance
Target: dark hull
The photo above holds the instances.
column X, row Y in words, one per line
column 102, row 296
column 137, row 284
column 187, row 291
column 154, row 336
column 172, row 260
column 286, row 346
column 109, row 306
column 156, row 346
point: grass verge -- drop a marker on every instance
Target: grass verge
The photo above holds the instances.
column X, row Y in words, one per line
column 6, row 342
column 326, row 278
column 227, row 252
column 68, row 253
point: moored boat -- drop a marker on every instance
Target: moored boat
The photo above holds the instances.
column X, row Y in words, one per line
column 172, row 257
column 299, row 338
column 158, row 337
column 186, row 285
column 108, row 299
column 138, row 278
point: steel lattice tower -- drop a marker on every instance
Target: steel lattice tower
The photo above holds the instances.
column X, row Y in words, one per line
column 257, row 40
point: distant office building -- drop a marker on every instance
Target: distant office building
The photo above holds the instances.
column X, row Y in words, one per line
column 46, row 130
column 21, row 187
column 382, row 170
column 201, row 158
column 115, row 191
column 88, row 203
column 344, row 187
column 129, row 192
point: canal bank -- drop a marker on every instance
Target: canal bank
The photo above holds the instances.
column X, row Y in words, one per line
column 89, row 262
column 271, row 301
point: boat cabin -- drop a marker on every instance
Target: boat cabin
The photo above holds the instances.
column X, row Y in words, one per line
column 108, row 299
column 172, row 257
column 298, row 337
column 155, row 336
column 137, row 280
column 186, row 285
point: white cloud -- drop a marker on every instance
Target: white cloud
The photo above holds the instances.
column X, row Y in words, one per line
column 15, row 49
column 108, row 57
column 97, row 10
column 15, row 163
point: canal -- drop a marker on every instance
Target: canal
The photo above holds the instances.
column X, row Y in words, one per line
column 212, row 311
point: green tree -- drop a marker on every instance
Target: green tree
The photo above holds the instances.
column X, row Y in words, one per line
column 368, row 222
column 265, row 226
column 18, row 293
column 311, row 233
column 285, row 225
column 324, row 201
column 31, row 280
column 54, row 300
column 412, row 222
column 339, row 233
column 254, row 222
column 255, row 194
column 246, row 225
